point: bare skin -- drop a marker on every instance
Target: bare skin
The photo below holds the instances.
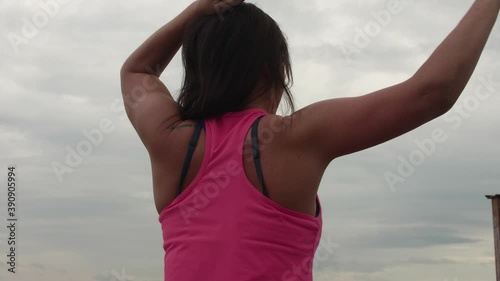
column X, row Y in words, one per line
column 286, row 169
column 294, row 162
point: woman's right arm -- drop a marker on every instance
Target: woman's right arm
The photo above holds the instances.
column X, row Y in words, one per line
column 336, row 127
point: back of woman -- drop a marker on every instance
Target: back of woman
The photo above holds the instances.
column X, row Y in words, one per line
column 235, row 184
column 228, row 222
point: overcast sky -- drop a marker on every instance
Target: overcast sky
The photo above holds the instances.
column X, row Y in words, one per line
column 429, row 221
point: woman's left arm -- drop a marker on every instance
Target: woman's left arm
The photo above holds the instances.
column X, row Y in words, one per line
column 148, row 103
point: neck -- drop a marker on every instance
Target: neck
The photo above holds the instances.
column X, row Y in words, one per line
column 265, row 107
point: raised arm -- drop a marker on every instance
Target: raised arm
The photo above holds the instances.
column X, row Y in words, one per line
column 148, row 103
column 336, row 127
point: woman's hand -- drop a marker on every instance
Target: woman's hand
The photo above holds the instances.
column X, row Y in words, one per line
column 210, row 7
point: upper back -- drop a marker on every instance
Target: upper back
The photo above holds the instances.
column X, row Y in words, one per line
column 221, row 218
column 291, row 176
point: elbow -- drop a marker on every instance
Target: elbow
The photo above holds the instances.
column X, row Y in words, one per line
column 444, row 99
column 440, row 90
column 438, row 99
column 128, row 66
column 440, row 96
column 124, row 69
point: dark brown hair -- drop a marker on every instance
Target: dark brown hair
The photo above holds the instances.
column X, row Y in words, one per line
column 224, row 56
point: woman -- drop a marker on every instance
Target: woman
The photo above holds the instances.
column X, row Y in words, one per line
column 235, row 184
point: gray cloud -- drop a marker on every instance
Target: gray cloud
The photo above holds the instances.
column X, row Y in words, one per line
column 65, row 79
column 411, row 237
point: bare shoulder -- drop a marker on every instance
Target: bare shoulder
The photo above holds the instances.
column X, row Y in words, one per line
column 277, row 131
column 336, row 127
column 285, row 136
column 286, row 132
column 292, row 173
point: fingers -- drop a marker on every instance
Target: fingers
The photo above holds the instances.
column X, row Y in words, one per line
column 234, row 2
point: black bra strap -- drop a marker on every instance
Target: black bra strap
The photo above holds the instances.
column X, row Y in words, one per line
column 256, row 158
column 192, row 146
column 256, row 155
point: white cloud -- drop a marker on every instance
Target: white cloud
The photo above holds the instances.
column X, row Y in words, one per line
column 65, row 79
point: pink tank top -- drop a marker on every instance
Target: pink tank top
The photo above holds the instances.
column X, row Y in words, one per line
column 221, row 228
